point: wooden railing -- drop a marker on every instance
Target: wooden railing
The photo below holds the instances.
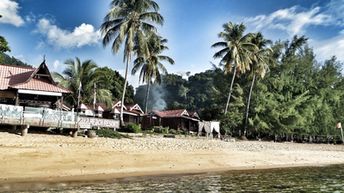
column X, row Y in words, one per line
column 45, row 117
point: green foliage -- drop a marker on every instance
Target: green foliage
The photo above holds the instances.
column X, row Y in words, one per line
column 4, row 47
column 134, row 128
column 125, row 25
column 149, row 61
column 298, row 95
column 6, row 59
column 231, row 122
column 165, row 95
column 82, row 77
column 113, row 81
column 163, row 130
column 109, row 133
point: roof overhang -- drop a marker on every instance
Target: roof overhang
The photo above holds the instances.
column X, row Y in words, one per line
column 36, row 92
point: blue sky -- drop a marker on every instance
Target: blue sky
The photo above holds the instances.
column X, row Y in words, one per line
column 63, row 29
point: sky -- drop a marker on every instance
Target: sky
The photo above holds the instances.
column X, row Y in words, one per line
column 64, row 29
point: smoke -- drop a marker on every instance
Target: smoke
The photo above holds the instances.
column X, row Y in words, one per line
column 157, row 95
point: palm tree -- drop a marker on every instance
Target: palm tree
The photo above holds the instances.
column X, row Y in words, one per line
column 259, row 66
column 150, row 61
column 235, row 51
column 126, row 23
column 291, row 47
column 80, row 77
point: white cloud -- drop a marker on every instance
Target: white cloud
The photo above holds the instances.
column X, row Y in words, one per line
column 9, row 11
column 56, row 64
column 336, row 9
column 330, row 47
column 293, row 20
column 83, row 35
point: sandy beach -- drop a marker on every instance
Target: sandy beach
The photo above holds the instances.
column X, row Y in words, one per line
column 54, row 158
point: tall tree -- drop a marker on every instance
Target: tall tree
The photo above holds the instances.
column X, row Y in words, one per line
column 149, row 61
column 113, row 81
column 126, row 23
column 235, row 51
column 80, row 77
column 3, row 45
column 261, row 58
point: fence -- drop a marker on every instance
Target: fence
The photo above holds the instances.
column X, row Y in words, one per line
column 45, row 117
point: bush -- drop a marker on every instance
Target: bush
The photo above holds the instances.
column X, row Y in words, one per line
column 108, row 133
column 173, row 131
column 163, row 130
column 134, row 128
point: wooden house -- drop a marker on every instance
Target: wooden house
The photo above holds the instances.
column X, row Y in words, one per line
column 27, row 86
column 30, row 97
column 179, row 119
column 131, row 113
column 91, row 111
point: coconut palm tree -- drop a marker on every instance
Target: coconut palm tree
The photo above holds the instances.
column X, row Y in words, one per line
column 261, row 58
column 149, row 61
column 125, row 24
column 235, row 51
column 80, row 77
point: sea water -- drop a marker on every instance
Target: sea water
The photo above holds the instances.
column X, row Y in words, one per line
column 315, row 179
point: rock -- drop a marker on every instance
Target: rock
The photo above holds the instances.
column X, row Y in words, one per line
column 91, row 134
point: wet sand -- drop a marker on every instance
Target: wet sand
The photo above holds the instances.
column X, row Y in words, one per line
column 53, row 158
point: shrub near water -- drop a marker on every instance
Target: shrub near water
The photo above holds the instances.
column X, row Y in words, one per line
column 134, row 128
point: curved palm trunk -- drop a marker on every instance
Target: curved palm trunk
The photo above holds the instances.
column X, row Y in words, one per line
column 147, row 97
column 248, row 104
column 124, row 90
column 230, row 90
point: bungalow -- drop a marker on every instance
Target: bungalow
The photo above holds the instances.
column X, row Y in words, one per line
column 90, row 111
column 131, row 113
column 179, row 119
column 27, row 86
column 28, row 96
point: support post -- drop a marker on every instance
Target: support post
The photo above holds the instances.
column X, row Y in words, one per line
column 24, row 130
column 75, row 133
column 16, row 103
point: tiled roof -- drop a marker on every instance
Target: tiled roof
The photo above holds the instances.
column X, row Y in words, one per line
column 13, row 75
column 171, row 113
column 19, row 77
column 40, row 85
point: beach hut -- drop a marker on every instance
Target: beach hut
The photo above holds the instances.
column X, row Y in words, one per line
column 179, row 119
column 131, row 113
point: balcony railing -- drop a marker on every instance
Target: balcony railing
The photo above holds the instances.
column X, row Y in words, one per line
column 45, row 117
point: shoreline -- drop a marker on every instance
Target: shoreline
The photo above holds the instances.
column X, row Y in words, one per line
column 48, row 159
column 118, row 176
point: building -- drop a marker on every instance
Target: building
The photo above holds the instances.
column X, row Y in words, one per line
column 29, row 97
column 131, row 113
column 29, row 87
column 90, row 111
column 179, row 119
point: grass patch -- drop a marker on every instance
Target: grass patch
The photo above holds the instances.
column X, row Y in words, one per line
column 109, row 133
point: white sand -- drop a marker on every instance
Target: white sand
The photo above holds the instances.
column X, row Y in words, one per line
column 39, row 157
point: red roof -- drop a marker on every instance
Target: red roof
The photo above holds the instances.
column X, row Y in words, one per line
column 172, row 113
column 19, row 77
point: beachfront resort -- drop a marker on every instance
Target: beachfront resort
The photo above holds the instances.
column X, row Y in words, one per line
column 122, row 91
